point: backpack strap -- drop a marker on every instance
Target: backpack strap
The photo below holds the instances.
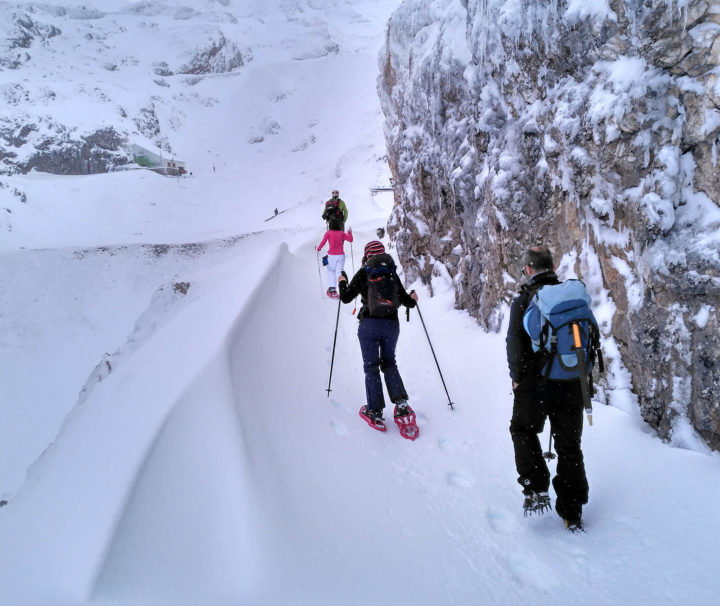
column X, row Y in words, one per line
column 595, row 349
column 543, row 358
column 546, row 358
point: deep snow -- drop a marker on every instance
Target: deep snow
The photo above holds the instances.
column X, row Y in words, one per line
column 166, row 448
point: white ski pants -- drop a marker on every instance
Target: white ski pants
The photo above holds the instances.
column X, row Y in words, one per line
column 336, row 263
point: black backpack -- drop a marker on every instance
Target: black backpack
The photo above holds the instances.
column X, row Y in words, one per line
column 332, row 209
column 383, row 296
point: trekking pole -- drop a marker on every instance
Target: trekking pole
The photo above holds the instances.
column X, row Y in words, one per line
column 317, row 256
column 549, row 455
column 352, row 257
column 434, row 356
column 332, row 359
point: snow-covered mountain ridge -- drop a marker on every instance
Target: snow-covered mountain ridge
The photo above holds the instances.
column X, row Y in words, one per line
column 593, row 127
column 132, row 98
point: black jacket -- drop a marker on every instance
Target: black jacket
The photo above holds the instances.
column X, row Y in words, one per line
column 358, row 286
column 520, row 355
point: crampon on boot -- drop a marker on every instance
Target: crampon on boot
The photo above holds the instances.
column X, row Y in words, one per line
column 536, row 502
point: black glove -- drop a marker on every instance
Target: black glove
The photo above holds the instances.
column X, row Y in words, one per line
column 343, row 274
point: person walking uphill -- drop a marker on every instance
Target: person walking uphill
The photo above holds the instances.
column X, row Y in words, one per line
column 335, row 207
column 537, row 398
column 336, row 253
column 381, row 294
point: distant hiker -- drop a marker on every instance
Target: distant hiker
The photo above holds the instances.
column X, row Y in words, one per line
column 381, row 294
column 336, row 253
column 335, row 207
column 276, row 211
column 88, row 167
column 538, row 396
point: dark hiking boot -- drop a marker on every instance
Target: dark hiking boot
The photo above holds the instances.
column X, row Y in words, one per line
column 374, row 415
column 373, row 418
column 536, row 502
column 574, row 525
column 402, row 408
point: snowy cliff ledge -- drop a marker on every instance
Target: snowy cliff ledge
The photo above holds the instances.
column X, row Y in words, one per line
column 589, row 125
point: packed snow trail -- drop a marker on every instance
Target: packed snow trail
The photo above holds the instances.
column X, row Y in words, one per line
column 323, row 521
column 344, row 515
column 354, row 516
column 231, row 476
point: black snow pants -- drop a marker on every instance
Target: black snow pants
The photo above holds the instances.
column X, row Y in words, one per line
column 561, row 403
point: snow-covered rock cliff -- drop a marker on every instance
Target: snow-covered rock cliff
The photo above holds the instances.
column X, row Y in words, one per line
column 592, row 126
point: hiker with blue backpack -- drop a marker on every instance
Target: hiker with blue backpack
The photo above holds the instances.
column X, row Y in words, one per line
column 552, row 342
column 381, row 294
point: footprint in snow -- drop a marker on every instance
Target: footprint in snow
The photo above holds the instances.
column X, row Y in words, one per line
column 446, row 444
column 501, row 522
column 461, row 479
column 531, row 573
column 420, row 418
column 339, row 428
column 337, row 404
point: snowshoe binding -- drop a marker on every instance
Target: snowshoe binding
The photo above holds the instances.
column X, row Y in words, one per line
column 405, row 420
column 332, row 293
column 372, row 418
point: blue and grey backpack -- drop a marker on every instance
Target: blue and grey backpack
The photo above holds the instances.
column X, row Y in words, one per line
column 549, row 320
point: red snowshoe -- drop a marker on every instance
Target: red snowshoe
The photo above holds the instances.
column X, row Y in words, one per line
column 405, row 420
column 332, row 293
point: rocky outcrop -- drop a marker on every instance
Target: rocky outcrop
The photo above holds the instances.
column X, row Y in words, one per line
column 592, row 127
column 24, row 32
column 58, row 151
column 218, row 56
column 63, row 114
column 98, row 152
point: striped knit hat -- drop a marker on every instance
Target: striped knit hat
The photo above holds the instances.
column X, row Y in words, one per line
column 374, row 248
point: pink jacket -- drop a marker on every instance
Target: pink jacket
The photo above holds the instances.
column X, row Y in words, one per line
column 337, row 241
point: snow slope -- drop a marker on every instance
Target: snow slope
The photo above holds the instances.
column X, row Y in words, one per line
column 165, row 433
